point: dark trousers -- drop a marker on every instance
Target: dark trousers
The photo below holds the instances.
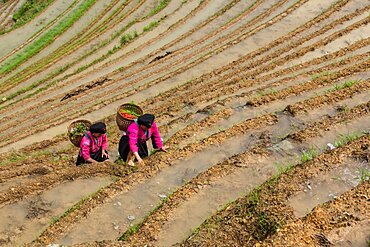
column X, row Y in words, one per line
column 124, row 148
column 95, row 156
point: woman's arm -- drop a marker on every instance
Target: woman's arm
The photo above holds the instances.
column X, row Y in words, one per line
column 85, row 148
column 156, row 136
column 139, row 159
column 104, row 145
column 133, row 136
column 133, row 131
column 104, row 142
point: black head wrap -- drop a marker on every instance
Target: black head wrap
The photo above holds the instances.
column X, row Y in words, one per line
column 146, row 120
column 98, row 127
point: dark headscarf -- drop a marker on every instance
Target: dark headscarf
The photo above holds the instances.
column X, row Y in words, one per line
column 98, row 127
column 146, row 120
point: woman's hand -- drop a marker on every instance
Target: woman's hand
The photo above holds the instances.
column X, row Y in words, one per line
column 164, row 148
column 141, row 161
column 104, row 153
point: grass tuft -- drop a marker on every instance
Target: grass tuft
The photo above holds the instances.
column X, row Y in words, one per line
column 151, row 26
column 344, row 139
column 28, row 11
column 266, row 226
column 159, row 7
column 319, row 75
column 364, row 174
column 126, row 38
column 309, row 154
column 283, row 168
column 344, row 85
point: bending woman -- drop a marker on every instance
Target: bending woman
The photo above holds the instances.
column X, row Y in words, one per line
column 93, row 146
column 133, row 142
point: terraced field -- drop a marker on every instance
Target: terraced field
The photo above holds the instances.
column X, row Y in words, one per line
column 264, row 105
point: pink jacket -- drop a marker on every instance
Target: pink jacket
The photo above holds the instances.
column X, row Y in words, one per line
column 88, row 147
column 137, row 134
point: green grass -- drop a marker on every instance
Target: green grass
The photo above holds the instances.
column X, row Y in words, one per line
column 134, row 229
column 60, row 70
column 14, row 157
column 309, row 154
column 254, row 198
column 364, row 174
column 47, row 38
column 29, row 10
column 39, row 64
column 344, row 85
column 269, row 91
column 283, row 168
column 126, row 38
column 266, row 226
column 344, row 139
column 319, row 75
column 159, row 7
column 151, row 26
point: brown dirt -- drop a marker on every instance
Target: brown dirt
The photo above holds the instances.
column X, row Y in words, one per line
column 152, row 225
column 238, row 223
column 347, row 210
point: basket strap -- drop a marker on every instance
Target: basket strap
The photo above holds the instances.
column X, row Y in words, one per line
column 88, row 137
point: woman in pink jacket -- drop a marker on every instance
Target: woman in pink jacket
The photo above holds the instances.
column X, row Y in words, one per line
column 94, row 144
column 133, row 142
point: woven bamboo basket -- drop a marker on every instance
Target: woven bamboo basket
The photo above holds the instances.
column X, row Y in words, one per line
column 76, row 138
column 124, row 122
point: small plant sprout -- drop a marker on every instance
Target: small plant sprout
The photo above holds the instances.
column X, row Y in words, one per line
column 254, row 198
column 364, row 175
column 127, row 37
column 346, row 84
column 151, row 26
column 309, row 154
column 344, row 139
column 319, row 75
column 267, row 92
column 160, row 6
column 282, row 168
column 266, row 225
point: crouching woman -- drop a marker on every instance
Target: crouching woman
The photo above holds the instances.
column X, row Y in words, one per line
column 133, row 143
column 94, row 144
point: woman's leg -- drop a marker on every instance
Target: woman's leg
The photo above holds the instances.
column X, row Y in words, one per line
column 130, row 159
column 143, row 149
column 124, row 148
column 143, row 152
column 80, row 160
column 98, row 156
